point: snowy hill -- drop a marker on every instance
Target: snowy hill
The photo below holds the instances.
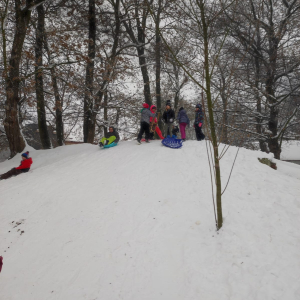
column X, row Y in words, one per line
column 137, row 223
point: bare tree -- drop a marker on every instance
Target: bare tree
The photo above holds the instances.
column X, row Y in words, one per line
column 271, row 30
column 88, row 96
column 137, row 34
column 39, row 83
column 12, row 78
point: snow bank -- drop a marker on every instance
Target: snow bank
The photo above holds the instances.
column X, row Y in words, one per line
column 137, row 223
column 4, row 154
column 290, row 150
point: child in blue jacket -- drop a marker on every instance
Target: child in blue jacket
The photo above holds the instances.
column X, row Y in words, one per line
column 199, row 118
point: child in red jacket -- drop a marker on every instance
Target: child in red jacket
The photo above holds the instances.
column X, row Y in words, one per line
column 22, row 168
column 154, row 125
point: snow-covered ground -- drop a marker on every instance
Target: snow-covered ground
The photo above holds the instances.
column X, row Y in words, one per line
column 290, row 150
column 137, row 223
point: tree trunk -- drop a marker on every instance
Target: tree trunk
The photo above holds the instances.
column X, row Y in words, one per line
column 58, row 103
column 224, row 98
column 143, row 62
column 39, row 84
column 273, row 143
column 58, row 111
column 211, row 118
column 259, row 120
column 110, row 65
column 140, row 40
column 177, row 86
column 105, row 113
column 88, row 97
column 224, row 133
column 158, row 64
column 11, row 123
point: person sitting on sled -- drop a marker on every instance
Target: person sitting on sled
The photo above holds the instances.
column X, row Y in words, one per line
column 168, row 118
column 146, row 114
column 110, row 137
column 154, row 126
column 199, row 122
column 24, row 167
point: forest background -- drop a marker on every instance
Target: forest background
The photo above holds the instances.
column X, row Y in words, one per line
column 77, row 67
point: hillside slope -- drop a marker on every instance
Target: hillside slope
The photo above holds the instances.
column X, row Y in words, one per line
column 137, row 223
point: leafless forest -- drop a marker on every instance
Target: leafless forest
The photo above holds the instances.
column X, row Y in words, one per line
column 78, row 66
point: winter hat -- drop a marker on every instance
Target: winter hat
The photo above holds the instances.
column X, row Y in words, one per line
column 199, row 106
column 25, row 154
column 181, row 108
column 168, row 102
column 145, row 105
column 152, row 107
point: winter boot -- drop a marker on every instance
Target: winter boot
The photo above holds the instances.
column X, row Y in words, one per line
column 101, row 145
column 147, row 141
column 139, row 141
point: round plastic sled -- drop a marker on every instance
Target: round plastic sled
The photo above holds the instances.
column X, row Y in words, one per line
column 172, row 143
column 113, row 144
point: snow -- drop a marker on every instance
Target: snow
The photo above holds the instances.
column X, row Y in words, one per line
column 4, row 154
column 137, row 223
column 290, row 150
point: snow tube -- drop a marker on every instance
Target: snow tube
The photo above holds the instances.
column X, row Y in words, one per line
column 113, row 144
column 172, row 143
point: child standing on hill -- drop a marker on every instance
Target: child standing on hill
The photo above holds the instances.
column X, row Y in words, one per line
column 183, row 121
column 146, row 114
column 199, row 122
column 24, row 167
column 168, row 118
column 154, row 125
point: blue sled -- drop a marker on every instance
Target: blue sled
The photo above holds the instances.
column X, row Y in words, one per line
column 172, row 143
column 113, row 144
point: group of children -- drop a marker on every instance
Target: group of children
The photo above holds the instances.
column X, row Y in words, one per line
column 149, row 123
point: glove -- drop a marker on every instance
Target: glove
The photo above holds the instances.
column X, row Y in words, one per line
column 200, row 125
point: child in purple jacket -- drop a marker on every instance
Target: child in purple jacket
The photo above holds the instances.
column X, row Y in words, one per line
column 183, row 121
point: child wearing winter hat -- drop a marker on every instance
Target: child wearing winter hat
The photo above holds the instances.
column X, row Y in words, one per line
column 146, row 114
column 168, row 119
column 199, row 122
column 24, row 167
column 112, row 136
column 154, row 125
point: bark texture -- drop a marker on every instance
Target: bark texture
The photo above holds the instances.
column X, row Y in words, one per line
column 88, row 97
column 39, row 83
